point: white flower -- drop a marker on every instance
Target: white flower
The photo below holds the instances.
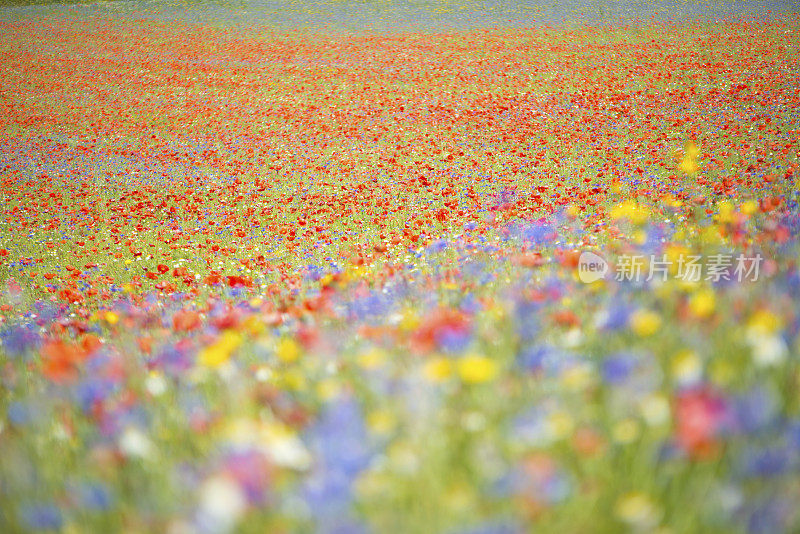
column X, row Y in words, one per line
column 285, row 448
column 222, row 504
column 155, row 384
column 655, row 409
column 134, row 443
column 768, row 350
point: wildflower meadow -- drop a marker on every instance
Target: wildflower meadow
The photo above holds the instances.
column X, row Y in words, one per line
column 399, row 267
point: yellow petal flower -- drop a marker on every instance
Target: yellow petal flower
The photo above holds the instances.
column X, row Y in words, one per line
column 475, row 369
column 645, row 322
column 220, row 351
column 639, row 510
column 437, row 369
column 764, row 322
column 560, row 425
column 288, row 350
column 372, row 359
column 626, row 431
column 702, row 303
column 749, row 207
column 686, row 367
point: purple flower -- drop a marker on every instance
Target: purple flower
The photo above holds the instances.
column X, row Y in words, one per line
column 18, row 340
column 95, row 497
column 251, row 470
column 755, row 411
column 339, row 442
column 91, row 392
column 437, row 246
column 616, row 317
column 527, row 322
column 452, row 339
column 538, row 233
column 173, row 360
column 767, row 462
column 42, row 517
column 768, row 517
column 616, row 369
column 19, row 414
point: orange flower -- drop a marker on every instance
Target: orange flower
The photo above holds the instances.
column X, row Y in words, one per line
column 186, row 321
column 60, row 360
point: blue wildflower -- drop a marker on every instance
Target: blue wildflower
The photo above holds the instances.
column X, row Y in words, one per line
column 42, row 516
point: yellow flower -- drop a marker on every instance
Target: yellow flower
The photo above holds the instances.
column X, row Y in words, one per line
column 288, row 350
column 254, row 325
column 702, row 303
column 372, row 358
column 409, row 320
column 111, row 317
column 328, row 389
column 725, row 214
column 672, row 202
column 749, row 207
column 722, row 372
column 632, row 211
column 712, row 235
column 764, row 322
column 686, row 367
column 689, row 164
column 577, row 377
column 638, row 510
column 437, row 369
column 626, row 431
column 645, row 322
column 560, row 424
column 459, row 497
column 476, row 369
column 294, row 380
column 573, row 211
column 283, row 446
column 381, row 421
column 655, row 409
column 674, row 253
column 220, row 351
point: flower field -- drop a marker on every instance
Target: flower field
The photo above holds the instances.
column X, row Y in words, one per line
column 320, row 281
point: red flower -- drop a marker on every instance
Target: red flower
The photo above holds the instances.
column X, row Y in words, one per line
column 700, row 416
column 60, row 360
column 186, row 321
column 442, row 324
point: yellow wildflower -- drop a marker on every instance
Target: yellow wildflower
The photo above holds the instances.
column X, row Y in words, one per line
column 702, row 303
column 220, row 351
column 645, row 322
column 438, row 369
column 475, row 369
column 288, row 350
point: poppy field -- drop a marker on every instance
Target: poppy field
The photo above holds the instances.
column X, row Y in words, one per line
column 490, row 280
